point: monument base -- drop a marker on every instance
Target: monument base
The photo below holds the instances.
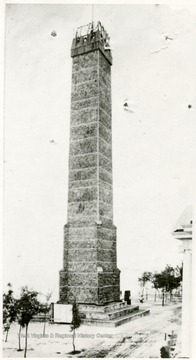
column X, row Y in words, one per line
column 112, row 315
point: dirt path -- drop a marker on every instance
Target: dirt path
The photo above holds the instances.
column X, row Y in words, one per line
column 143, row 337
column 140, row 338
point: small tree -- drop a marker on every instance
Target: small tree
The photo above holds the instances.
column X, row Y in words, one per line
column 76, row 321
column 167, row 281
column 159, row 283
column 155, row 287
column 28, row 306
column 20, row 322
column 19, row 334
column 179, row 272
column 146, row 276
column 179, row 275
column 9, row 310
column 174, row 280
column 45, row 307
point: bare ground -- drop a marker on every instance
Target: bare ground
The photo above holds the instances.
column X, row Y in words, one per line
column 140, row 338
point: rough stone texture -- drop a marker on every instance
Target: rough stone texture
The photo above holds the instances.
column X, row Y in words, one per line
column 112, row 315
column 89, row 265
column 90, row 271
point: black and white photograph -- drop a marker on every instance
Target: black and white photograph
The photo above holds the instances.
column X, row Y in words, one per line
column 99, row 174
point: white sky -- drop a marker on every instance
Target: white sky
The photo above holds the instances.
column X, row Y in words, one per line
column 153, row 149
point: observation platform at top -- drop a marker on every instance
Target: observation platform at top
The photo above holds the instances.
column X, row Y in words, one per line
column 90, row 38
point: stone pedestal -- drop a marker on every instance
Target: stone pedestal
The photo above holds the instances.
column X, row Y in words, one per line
column 89, row 273
column 110, row 315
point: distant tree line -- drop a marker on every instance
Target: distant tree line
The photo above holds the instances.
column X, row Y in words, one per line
column 165, row 281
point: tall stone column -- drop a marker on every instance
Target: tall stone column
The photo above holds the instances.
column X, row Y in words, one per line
column 90, row 271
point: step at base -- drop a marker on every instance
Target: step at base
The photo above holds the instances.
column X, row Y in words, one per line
column 103, row 308
column 115, row 322
column 110, row 314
